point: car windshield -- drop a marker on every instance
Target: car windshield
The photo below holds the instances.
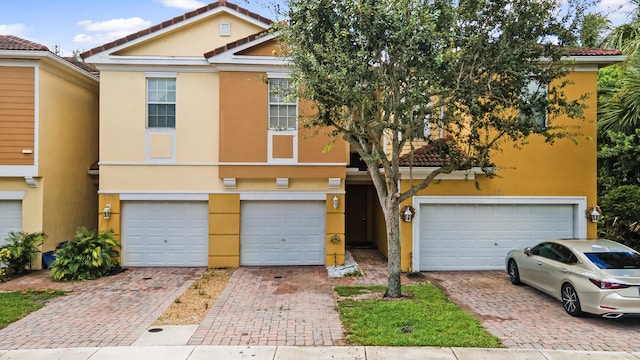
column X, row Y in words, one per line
column 615, row 260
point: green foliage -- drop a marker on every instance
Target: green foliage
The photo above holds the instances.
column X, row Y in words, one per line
column 619, row 187
column 90, row 255
column 426, row 318
column 23, row 248
column 4, row 259
column 18, row 304
column 621, row 220
column 378, row 69
column 593, row 28
column 619, row 104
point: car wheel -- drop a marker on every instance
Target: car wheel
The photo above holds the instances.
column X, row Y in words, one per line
column 570, row 300
column 514, row 274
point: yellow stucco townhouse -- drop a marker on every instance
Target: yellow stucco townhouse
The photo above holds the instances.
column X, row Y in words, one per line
column 48, row 140
column 202, row 163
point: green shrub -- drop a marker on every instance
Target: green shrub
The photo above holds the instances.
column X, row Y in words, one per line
column 23, row 248
column 4, row 260
column 90, row 255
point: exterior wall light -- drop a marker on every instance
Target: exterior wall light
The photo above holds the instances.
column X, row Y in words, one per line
column 407, row 213
column 594, row 214
column 336, row 201
column 106, row 212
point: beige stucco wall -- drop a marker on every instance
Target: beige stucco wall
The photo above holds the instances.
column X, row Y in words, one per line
column 196, row 38
column 68, row 144
column 124, row 139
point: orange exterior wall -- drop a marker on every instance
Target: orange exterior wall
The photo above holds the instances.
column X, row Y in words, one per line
column 564, row 168
column 17, row 115
column 243, row 117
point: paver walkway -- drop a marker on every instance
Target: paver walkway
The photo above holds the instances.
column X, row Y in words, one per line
column 291, row 305
column 111, row 311
column 525, row 318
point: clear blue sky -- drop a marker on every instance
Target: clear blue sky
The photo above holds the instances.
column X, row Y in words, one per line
column 85, row 24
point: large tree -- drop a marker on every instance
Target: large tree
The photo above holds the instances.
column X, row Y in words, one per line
column 377, row 70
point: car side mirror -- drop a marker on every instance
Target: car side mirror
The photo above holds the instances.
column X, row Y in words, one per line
column 527, row 251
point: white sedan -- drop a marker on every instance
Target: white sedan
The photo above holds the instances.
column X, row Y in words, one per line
column 600, row 277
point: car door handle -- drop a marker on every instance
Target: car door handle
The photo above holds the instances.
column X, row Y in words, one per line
column 563, row 270
column 539, row 263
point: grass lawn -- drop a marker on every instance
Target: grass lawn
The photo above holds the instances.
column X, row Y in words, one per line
column 17, row 304
column 425, row 317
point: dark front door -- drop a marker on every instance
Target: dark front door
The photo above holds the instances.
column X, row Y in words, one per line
column 357, row 215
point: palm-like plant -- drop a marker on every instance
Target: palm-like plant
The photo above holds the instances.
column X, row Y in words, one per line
column 626, row 37
column 619, row 109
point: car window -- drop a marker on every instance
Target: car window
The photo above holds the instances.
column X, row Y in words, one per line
column 563, row 254
column 615, row 260
column 545, row 250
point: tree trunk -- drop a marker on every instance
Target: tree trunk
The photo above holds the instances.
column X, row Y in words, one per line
column 392, row 219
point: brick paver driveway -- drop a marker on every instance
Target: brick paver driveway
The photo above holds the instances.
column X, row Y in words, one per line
column 526, row 318
column 110, row 311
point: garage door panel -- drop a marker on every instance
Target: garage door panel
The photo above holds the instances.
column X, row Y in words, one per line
column 282, row 233
column 10, row 218
column 478, row 236
column 165, row 233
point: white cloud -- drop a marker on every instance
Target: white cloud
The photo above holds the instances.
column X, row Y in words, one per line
column 19, row 30
column 183, row 4
column 618, row 11
column 109, row 30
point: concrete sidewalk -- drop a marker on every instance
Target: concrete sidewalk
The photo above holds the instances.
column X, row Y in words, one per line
column 305, row 352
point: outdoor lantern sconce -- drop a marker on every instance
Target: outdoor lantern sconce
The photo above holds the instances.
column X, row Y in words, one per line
column 593, row 213
column 106, row 212
column 407, row 213
column 336, row 201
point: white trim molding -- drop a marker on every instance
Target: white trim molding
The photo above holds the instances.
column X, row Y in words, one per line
column 311, row 196
column 164, row 196
column 11, row 195
column 579, row 204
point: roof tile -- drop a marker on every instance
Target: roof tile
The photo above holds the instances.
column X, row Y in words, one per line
column 426, row 156
column 10, row 42
column 593, row 52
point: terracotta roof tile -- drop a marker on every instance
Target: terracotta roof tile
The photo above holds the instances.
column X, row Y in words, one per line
column 10, row 42
column 174, row 21
column 236, row 43
column 593, row 52
column 83, row 65
column 426, row 156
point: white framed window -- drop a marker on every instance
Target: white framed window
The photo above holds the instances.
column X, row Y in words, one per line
column 283, row 105
column 534, row 95
column 161, row 102
column 225, row 29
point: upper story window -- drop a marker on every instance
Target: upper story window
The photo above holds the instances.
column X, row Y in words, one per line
column 283, row 105
column 161, row 102
column 532, row 108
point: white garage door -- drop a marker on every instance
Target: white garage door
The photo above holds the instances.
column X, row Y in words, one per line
column 10, row 218
column 478, row 237
column 165, row 233
column 282, row 233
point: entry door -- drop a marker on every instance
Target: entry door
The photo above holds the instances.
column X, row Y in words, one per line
column 357, row 215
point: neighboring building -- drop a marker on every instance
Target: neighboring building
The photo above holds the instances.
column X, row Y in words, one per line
column 189, row 167
column 48, row 140
column 203, row 163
